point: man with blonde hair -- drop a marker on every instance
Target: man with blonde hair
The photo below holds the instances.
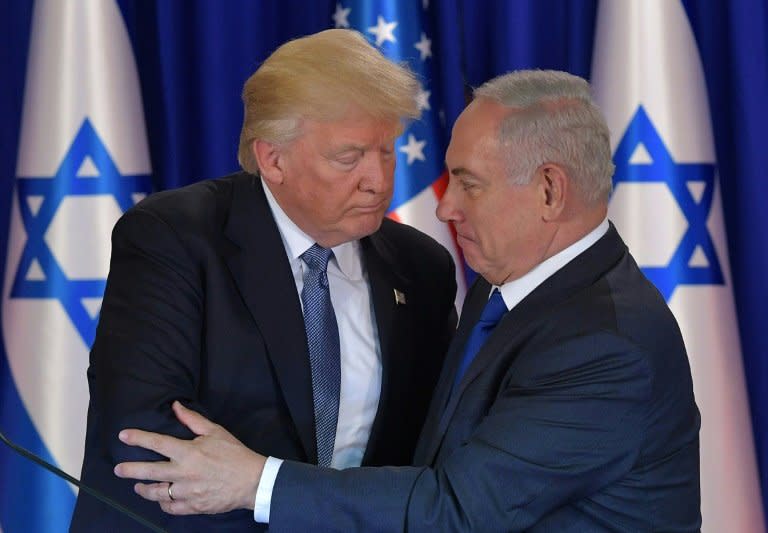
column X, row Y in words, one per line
column 566, row 400
column 277, row 301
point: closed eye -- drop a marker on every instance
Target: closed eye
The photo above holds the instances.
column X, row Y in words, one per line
column 347, row 158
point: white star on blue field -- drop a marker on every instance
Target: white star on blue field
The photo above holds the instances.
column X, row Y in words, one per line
column 676, row 176
column 50, row 191
column 401, row 30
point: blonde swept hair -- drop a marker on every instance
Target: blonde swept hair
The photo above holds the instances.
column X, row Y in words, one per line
column 319, row 77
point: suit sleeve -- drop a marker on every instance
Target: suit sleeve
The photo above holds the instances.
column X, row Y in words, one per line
column 565, row 426
column 148, row 343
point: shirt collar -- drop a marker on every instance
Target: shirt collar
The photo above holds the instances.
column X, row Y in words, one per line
column 296, row 242
column 514, row 291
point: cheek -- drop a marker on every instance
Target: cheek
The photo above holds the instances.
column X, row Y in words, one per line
column 486, row 224
column 338, row 201
column 498, row 230
column 389, row 172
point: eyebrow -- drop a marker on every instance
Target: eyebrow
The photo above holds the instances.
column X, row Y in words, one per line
column 352, row 147
column 349, row 148
column 460, row 171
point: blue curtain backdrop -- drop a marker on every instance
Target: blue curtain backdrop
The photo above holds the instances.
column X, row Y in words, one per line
column 194, row 55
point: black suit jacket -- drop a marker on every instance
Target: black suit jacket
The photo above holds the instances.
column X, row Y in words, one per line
column 577, row 415
column 201, row 306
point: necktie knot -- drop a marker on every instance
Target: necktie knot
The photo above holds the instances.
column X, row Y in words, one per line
column 493, row 310
column 317, row 257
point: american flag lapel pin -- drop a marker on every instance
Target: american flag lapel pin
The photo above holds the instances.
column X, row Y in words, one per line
column 399, row 297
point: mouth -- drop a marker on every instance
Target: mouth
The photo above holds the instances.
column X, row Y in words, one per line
column 461, row 238
column 374, row 208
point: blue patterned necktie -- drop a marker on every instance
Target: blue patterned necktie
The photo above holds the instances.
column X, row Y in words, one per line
column 324, row 355
column 492, row 313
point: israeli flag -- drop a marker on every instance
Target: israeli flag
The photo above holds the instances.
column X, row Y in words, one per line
column 83, row 160
column 648, row 79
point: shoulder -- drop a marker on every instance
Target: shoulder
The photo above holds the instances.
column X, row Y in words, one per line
column 200, row 208
column 192, row 218
column 203, row 200
column 640, row 311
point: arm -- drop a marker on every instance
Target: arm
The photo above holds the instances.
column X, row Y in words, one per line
column 569, row 423
column 571, row 429
column 147, row 348
column 214, row 473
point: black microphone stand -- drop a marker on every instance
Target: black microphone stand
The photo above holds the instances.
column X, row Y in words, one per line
column 93, row 492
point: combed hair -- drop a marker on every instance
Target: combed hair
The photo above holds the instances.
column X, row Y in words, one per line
column 318, row 77
column 555, row 121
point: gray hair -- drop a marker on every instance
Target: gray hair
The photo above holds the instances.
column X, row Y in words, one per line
column 556, row 121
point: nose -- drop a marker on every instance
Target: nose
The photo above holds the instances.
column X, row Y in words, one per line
column 378, row 173
column 447, row 208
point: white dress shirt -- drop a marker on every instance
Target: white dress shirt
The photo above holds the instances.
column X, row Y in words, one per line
column 359, row 350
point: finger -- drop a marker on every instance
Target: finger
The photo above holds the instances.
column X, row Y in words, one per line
column 196, row 422
column 155, row 471
column 156, row 492
column 170, row 447
column 177, row 508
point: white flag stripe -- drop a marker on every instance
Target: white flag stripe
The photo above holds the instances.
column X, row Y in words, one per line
column 645, row 54
column 80, row 67
column 659, row 72
column 730, row 491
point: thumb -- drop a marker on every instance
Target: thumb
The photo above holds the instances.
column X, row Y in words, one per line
column 197, row 423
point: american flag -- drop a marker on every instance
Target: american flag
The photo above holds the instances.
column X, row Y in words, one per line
column 402, row 30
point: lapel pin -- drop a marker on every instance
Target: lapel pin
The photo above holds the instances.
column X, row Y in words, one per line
column 399, row 297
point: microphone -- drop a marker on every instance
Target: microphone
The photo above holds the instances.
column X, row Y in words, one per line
column 93, row 492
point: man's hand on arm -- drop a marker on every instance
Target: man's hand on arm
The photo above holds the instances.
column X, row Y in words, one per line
column 214, row 473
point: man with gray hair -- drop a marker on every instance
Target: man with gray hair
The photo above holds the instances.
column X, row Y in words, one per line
column 277, row 301
column 566, row 401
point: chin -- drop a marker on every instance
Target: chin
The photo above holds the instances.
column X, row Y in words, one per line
column 372, row 226
column 365, row 227
column 474, row 264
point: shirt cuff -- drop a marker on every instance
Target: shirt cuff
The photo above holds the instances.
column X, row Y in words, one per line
column 264, row 490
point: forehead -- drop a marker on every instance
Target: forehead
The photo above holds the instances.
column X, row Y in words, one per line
column 475, row 135
column 354, row 127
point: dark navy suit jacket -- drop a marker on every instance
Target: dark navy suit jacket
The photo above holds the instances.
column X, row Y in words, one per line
column 577, row 415
column 201, row 306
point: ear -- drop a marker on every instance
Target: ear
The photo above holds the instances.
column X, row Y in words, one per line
column 269, row 159
column 554, row 188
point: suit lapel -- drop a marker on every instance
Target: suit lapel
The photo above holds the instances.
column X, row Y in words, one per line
column 430, row 437
column 583, row 271
column 263, row 276
column 384, row 277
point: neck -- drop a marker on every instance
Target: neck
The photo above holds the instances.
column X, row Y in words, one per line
column 574, row 228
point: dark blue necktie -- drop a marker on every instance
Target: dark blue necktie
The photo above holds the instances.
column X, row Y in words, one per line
column 323, row 342
column 492, row 313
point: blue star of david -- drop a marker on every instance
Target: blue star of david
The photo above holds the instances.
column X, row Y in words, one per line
column 676, row 177
column 56, row 285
